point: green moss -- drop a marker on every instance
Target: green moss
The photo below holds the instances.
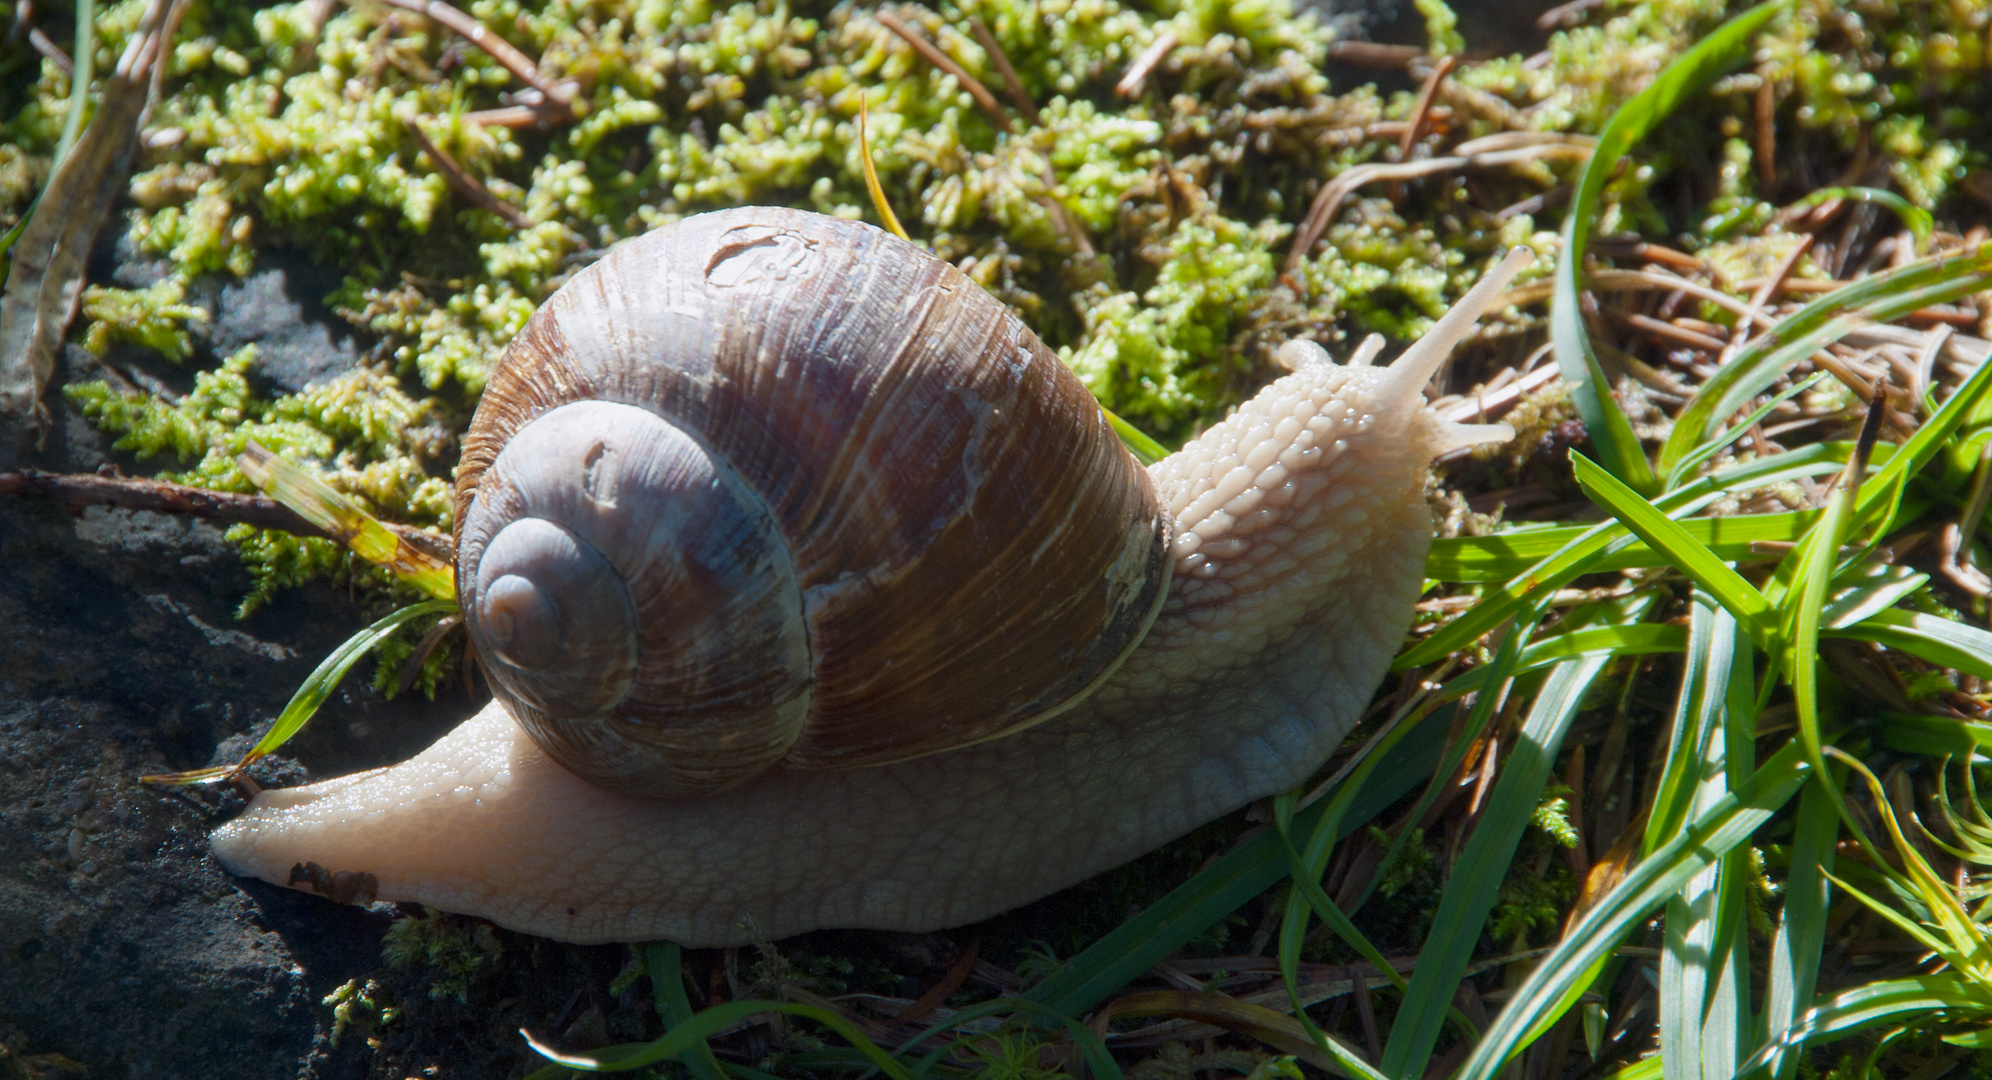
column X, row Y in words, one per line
column 21, row 175
column 1552, row 816
column 152, row 317
column 453, row 950
column 1531, row 905
column 1160, row 356
column 360, row 1006
column 1441, row 27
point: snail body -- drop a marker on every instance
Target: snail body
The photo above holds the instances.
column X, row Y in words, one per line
column 816, row 593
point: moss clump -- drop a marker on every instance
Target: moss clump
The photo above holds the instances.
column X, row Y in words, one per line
column 152, row 317
column 454, row 950
column 360, row 1006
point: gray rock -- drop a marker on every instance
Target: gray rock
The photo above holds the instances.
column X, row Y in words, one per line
column 122, row 944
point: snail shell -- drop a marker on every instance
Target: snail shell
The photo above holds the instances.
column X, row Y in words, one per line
column 773, row 487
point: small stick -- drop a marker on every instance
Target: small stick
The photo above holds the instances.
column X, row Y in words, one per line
column 1420, row 114
column 1926, row 362
column 1482, row 406
column 511, row 116
column 1767, row 133
column 1660, row 253
column 933, row 55
column 1567, row 15
column 1322, row 212
column 1422, row 111
column 467, row 185
column 1682, row 334
column 938, row 994
column 134, row 493
column 1370, row 54
column 51, row 50
column 1138, row 72
column 559, row 96
column 96, row 489
column 1012, row 85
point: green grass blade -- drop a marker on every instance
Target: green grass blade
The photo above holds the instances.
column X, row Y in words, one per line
column 326, row 507
column 1505, row 555
column 1729, row 1027
column 1145, row 449
column 316, row 688
column 1640, row 639
column 83, row 62
column 1307, row 894
column 1864, row 590
column 1307, row 868
column 1126, row 953
column 1739, row 429
column 1476, row 878
column 1870, row 1004
column 1610, row 431
column 1936, row 736
column 1498, row 672
column 1647, row 886
column 1880, row 298
column 1643, row 1069
column 1697, row 711
column 1801, row 935
column 1695, row 971
column 1597, row 546
column 1930, row 637
column 667, row 987
column 325, row 677
column 1665, row 535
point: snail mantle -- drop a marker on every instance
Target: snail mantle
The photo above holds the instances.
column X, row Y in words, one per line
column 815, row 593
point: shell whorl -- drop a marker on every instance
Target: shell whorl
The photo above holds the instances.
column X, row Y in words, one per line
column 766, row 487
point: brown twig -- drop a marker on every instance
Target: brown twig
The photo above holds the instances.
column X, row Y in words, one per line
column 1674, row 332
column 933, row 55
column 1421, row 113
column 51, row 50
column 939, row 993
column 1329, row 200
column 1767, row 289
column 558, row 97
column 1767, row 132
column 95, row 489
column 1503, row 149
column 470, row 187
column 1137, row 73
column 135, row 493
column 1012, row 85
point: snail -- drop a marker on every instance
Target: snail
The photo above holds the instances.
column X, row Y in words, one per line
column 815, row 592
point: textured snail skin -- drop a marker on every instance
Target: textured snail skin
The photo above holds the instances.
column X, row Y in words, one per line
column 1301, row 531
